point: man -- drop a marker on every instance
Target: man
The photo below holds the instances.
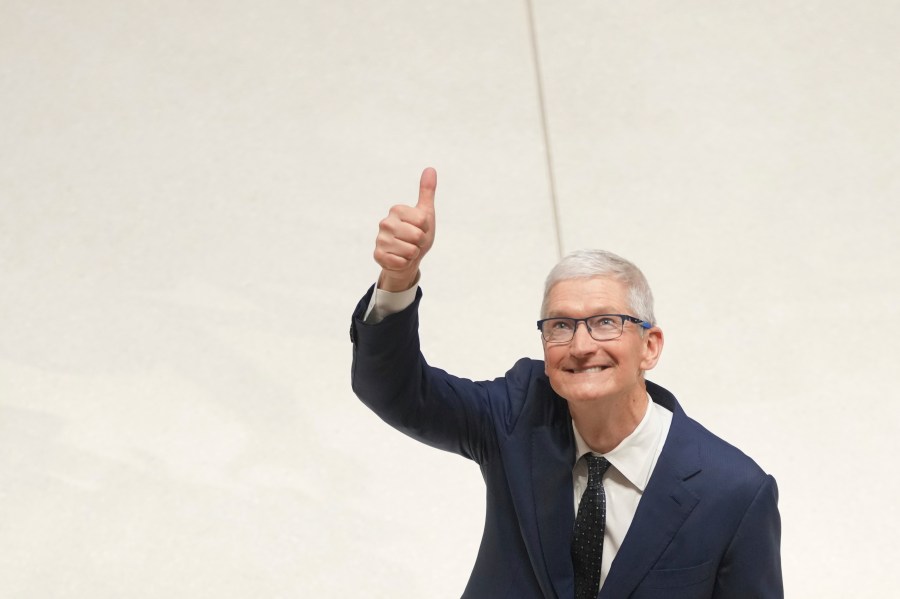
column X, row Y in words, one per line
column 598, row 483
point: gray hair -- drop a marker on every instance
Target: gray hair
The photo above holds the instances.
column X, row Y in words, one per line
column 587, row 264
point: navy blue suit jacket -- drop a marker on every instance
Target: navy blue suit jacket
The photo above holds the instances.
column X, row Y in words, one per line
column 706, row 526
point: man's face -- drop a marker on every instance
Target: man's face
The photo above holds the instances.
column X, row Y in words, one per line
column 584, row 369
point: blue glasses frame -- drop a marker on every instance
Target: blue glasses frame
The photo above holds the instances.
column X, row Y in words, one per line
column 574, row 321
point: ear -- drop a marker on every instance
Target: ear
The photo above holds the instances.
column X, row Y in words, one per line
column 546, row 360
column 652, row 347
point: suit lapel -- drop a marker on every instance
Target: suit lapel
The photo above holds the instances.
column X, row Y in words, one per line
column 552, row 457
column 665, row 505
column 538, row 463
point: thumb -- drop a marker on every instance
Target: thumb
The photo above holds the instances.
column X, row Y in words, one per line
column 427, row 185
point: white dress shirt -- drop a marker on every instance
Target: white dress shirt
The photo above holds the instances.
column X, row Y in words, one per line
column 632, row 463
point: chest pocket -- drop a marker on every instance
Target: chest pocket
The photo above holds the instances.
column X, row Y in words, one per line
column 678, row 583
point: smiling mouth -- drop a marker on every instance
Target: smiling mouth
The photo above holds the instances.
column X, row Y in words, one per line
column 588, row 370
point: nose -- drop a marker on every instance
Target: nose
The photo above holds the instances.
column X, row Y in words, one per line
column 582, row 343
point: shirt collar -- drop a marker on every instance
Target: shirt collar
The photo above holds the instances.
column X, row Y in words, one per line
column 635, row 455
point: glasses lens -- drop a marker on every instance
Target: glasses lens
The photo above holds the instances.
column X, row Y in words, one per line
column 558, row 330
column 605, row 327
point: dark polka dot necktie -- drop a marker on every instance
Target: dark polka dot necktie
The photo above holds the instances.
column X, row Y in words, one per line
column 587, row 543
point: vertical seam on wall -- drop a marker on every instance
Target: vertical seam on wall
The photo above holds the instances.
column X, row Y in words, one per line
column 548, row 154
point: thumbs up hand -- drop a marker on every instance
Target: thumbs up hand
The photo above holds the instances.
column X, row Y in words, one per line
column 405, row 236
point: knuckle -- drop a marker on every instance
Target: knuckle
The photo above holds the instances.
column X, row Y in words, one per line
column 417, row 218
column 386, row 224
column 398, row 211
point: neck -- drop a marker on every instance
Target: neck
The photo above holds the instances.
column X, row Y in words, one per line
column 605, row 423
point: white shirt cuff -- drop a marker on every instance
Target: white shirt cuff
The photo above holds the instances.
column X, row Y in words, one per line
column 384, row 303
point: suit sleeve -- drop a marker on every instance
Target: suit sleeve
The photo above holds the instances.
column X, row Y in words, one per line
column 751, row 567
column 391, row 377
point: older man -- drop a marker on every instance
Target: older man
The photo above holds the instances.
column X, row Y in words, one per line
column 598, row 483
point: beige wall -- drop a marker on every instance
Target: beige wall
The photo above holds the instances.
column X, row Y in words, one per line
column 190, row 192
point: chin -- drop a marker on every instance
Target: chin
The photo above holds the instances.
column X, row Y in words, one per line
column 582, row 393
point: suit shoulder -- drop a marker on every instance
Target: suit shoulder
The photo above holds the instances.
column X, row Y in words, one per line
column 531, row 400
column 727, row 463
column 526, row 381
column 524, row 371
column 694, row 444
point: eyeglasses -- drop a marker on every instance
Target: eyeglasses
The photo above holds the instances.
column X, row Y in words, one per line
column 603, row 327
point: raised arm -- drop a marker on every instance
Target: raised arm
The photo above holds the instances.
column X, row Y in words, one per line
column 389, row 373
